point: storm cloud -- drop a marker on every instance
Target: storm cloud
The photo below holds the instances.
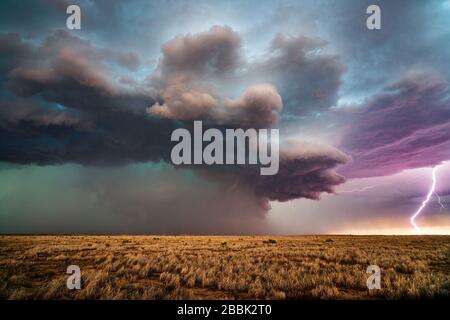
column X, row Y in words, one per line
column 186, row 75
column 66, row 101
column 92, row 111
column 405, row 126
column 296, row 71
column 308, row 76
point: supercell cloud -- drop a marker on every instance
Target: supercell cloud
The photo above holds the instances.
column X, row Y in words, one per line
column 65, row 101
column 96, row 107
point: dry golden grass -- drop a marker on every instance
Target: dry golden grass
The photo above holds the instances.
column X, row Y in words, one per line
column 217, row 267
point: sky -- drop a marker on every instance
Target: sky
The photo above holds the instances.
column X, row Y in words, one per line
column 86, row 116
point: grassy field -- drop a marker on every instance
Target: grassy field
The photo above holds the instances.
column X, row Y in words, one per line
column 218, row 267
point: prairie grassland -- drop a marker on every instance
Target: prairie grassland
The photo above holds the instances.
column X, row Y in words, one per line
column 219, row 267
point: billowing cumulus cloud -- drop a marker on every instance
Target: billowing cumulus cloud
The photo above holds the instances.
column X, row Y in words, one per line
column 190, row 67
column 181, row 103
column 406, row 126
column 262, row 100
column 214, row 52
column 302, row 76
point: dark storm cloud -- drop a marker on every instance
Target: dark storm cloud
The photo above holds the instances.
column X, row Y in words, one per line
column 308, row 78
column 306, row 171
column 406, row 126
column 63, row 59
column 304, row 174
column 214, row 55
column 101, row 121
column 80, row 97
column 67, row 68
column 61, row 39
column 14, row 111
column 14, row 52
column 69, row 79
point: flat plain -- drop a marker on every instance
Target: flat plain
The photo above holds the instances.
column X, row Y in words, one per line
column 224, row 267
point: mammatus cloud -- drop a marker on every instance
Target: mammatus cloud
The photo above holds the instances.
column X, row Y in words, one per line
column 406, row 126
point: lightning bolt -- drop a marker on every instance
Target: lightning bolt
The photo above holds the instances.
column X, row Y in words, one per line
column 439, row 201
column 424, row 203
